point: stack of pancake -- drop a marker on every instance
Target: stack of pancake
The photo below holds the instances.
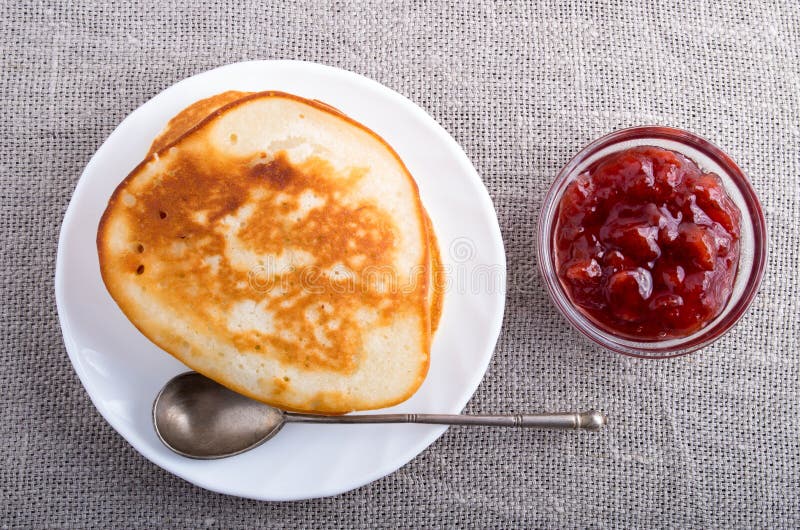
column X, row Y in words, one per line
column 280, row 248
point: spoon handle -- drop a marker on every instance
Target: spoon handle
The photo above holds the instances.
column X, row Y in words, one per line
column 590, row 420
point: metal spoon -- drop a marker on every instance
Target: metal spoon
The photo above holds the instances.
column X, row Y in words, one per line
column 199, row 418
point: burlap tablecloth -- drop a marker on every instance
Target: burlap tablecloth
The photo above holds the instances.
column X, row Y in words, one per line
column 710, row 440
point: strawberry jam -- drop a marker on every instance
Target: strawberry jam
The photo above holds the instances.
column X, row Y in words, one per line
column 647, row 244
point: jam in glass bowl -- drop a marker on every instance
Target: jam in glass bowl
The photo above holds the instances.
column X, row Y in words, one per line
column 652, row 242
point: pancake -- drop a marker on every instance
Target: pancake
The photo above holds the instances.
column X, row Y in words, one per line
column 192, row 115
column 437, row 284
column 279, row 248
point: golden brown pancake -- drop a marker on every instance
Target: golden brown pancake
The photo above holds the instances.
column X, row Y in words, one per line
column 281, row 249
column 192, row 115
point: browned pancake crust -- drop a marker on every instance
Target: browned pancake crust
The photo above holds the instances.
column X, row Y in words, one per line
column 192, row 115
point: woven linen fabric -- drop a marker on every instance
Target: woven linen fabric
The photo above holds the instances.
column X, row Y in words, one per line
column 710, row 440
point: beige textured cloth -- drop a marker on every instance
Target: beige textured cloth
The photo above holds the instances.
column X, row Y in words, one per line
column 711, row 440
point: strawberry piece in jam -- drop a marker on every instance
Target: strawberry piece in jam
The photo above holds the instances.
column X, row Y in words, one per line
column 647, row 244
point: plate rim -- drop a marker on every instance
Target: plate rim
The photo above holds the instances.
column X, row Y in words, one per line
column 494, row 326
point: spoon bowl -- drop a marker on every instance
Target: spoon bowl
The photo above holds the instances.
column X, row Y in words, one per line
column 199, row 418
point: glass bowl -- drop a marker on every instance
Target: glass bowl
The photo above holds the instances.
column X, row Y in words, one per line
column 753, row 241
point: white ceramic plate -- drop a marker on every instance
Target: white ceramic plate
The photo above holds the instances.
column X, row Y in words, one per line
column 122, row 371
